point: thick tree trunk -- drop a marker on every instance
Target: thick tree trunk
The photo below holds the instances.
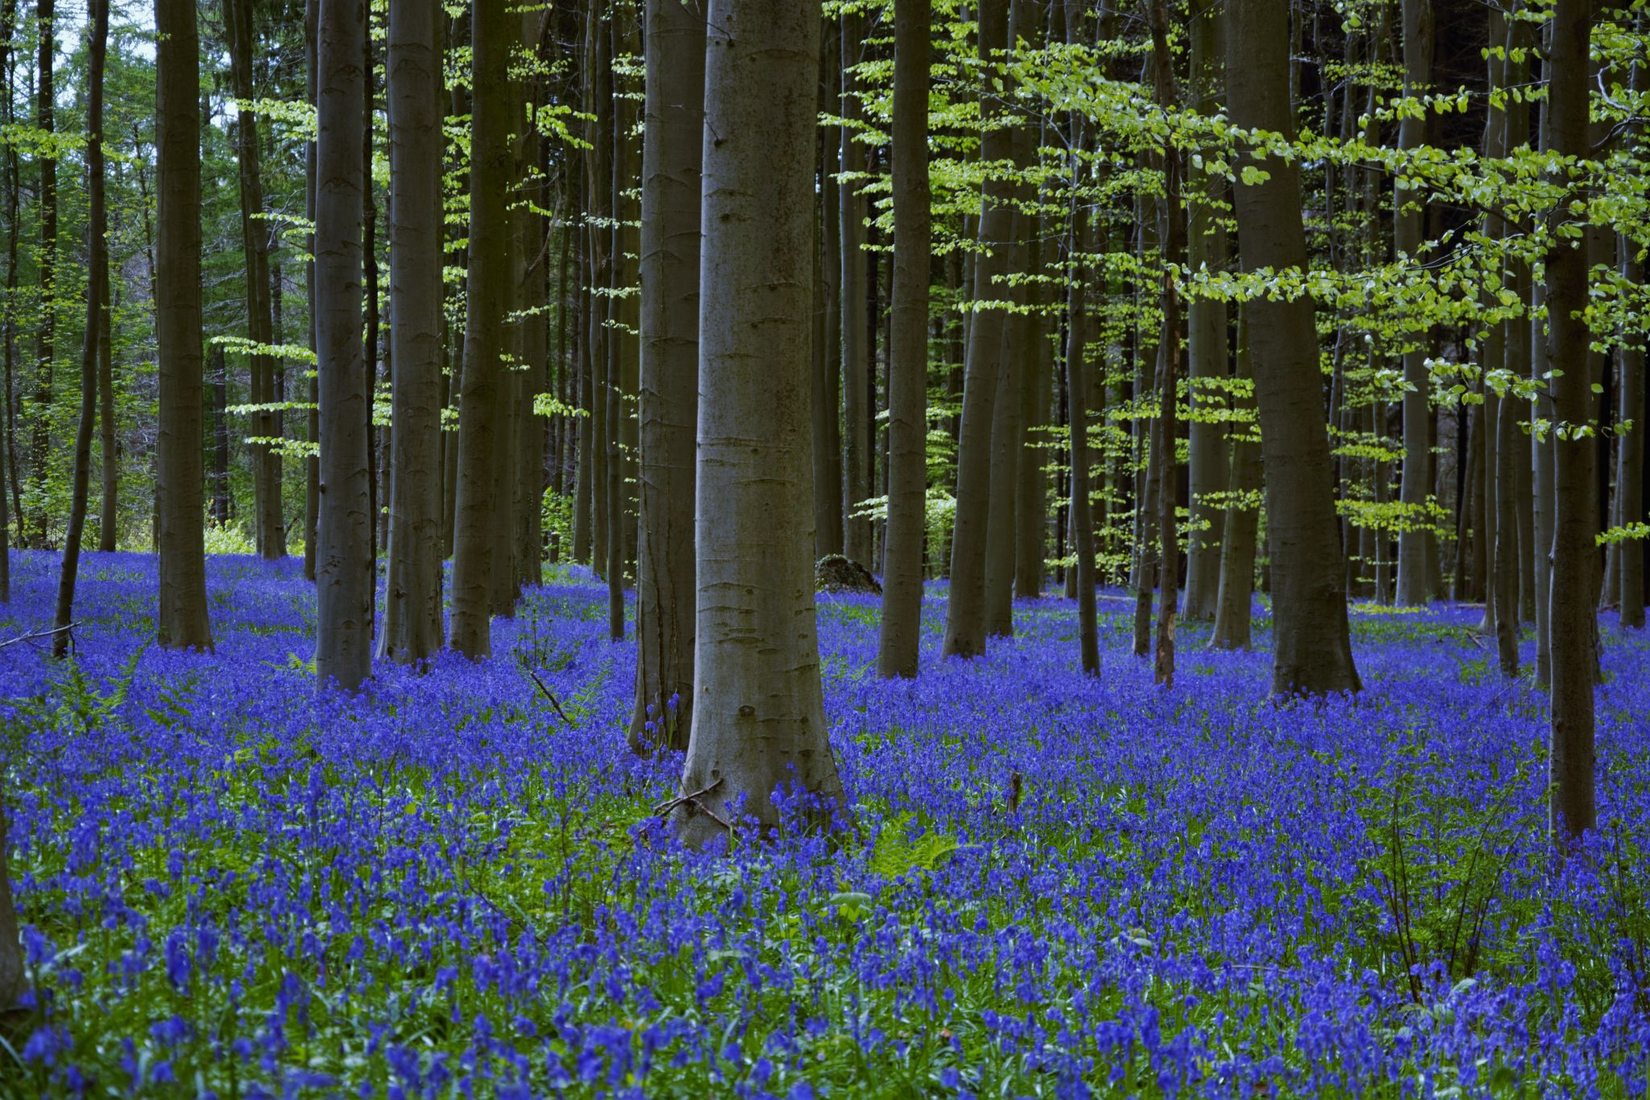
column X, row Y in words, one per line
column 1077, row 334
column 343, row 561
column 1168, row 361
column 268, row 527
column 907, row 348
column 412, row 600
column 758, row 714
column 1575, row 522
column 672, row 146
column 965, row 622
column 1007, row 435
column 97, row 293
column 853, row 304
column 12, row 978
column 493, row 29
column 1237, row 550
column 1206, row 335
column 13, row 504
column 626, row 348
column 181, row 622
column 1313, row 652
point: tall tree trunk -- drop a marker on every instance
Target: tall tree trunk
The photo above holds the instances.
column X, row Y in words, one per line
column 97, row 278
column 12, row 505
column 220, row 506
column 412, row 601
column 312, row 463
column 1077, row 334
column 1414, row 535
column 759, row 716
column 625, row 347
column 493, row 29
column 852, row 300
column 1207, row 323
column 1575, row 522
column 669, row 399
column 1630, row 455
column 1237, row 550
column 965, row 623
column 908, row 348
column 829, row 508
column 598, row 211
column 12, row 978
column 268, row 526
column 343, row 564
column 1313, row 652
column 45, row 333
column 181, row 622
column 1168, row 359
column 1031, row 480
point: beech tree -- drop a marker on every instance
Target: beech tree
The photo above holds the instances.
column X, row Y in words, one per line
column 672, row 146
column 758, row 704
column 412, row 610
column 343, row 563
column 1313, row 652
column 182, row 621
column 908, row 348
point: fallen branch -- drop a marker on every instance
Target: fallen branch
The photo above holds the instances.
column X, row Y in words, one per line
column 38, row 634
column 546, row 692
column 670, row 804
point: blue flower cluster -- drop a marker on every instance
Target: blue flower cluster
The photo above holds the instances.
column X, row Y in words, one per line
column 234, row 885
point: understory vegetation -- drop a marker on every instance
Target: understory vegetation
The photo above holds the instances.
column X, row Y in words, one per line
column 454, row 883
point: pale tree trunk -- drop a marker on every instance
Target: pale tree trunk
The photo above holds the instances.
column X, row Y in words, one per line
column 965, row 622
column 97, row 293
column 758, row 713
column 1031, row 481
column 1313, row 652
column 1206, row 334
column 268, row 527
column 1570, row 620
column 672, row 145
column 907, row 348
column 493, row 28
column 412, row 602
column 1233, row 607
column 533, row 329
column 598, row 208
column 182, row 621
column 343, row 560
column 852, row 302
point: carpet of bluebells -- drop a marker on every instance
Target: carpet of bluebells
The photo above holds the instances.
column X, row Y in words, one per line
column 234, row 885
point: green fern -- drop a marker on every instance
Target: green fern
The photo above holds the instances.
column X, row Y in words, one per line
column 896, row 854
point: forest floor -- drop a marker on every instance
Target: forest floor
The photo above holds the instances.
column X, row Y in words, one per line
column 234, row 885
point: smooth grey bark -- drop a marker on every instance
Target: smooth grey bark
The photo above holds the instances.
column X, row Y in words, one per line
column 1168, row 361
column 1007, row 436
column 1313, row 653
column 759, row 715
column 625, row 348
column 1077, row 335
column 343, row 560
column 97, row 293
column 672, row 148
column 1416, row 477
column 1571, row 618
column 598, row 177
column 1207, row 322
column 182, row 618
column 965, row 622
column 412, row 599
column 491, row 163
column 1234, row 607
column 852, row 307
column 1031, row 480
column 907, row 348
column 269, row 529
